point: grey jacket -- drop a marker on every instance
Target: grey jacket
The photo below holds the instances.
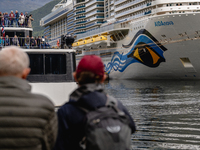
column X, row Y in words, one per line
column 27, row 121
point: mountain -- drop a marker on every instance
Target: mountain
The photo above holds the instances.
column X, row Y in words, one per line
column 40, row 13
column 21, row 5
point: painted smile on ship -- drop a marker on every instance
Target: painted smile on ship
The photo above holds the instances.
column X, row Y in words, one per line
column 145, row 49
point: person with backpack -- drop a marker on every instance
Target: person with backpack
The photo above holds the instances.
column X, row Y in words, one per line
column 92, row 119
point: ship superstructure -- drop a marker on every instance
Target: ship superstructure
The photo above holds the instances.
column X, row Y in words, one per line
column 139, row 39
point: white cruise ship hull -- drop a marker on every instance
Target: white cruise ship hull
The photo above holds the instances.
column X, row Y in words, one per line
column 160, row 47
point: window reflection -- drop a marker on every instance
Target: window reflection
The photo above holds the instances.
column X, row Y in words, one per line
column 54, row 64
column 36, row 63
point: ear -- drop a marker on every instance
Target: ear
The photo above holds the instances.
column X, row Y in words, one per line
column 74, row 75
column 104, row 78
column 25, row 73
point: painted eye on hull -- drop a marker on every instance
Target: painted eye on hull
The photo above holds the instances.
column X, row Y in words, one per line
column 144, row 49
column 146, row 55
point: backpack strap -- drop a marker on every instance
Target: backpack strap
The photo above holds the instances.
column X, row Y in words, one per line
column 112, row 102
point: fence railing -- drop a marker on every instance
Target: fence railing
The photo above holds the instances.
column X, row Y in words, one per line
column 14, row 22
column 25, row 42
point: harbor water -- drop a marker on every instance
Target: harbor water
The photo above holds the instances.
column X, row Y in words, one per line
column 166, row 112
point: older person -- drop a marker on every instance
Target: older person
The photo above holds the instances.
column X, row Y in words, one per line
column 27, row 121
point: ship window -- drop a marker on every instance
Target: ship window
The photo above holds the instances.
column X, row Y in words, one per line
column 36, row 63
column 186, row 63
column 55, row 64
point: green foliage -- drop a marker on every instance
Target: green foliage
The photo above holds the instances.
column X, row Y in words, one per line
column 40, row 13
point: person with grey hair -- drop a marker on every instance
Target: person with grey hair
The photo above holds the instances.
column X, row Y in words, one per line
column 27, row 120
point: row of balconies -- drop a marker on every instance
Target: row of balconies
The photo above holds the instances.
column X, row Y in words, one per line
column 176, row 8
column 70, row 27
column 69, row 23
column 93, row 2
column 70, row 18
column 81, row 22
column 130, row 11
column 80, row 12
column 80, row 7
column 91, row 19
column 94, row 13
column 69, row 14
column 128, row 5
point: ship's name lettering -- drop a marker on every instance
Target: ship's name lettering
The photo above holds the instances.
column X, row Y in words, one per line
column 160, row 23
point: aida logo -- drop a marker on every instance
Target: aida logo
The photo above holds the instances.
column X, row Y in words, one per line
column 144, row 49
column 160, row 23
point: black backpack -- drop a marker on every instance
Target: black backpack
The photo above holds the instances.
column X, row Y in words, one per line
column 107, row 128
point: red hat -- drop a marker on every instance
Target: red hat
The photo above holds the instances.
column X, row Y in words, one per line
column 91, row 63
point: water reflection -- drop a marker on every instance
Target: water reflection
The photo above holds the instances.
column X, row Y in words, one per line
column 166, row 112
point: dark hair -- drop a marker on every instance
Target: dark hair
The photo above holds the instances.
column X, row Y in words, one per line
column 88, row 77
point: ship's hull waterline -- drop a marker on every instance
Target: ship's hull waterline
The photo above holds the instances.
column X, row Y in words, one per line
column 160, row 47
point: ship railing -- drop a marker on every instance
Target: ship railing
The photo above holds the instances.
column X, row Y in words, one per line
column 100, row 30
column 13, row 22
column 25, row 42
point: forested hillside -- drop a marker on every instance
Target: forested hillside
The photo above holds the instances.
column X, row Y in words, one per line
column 40, row 13
column 21, row 5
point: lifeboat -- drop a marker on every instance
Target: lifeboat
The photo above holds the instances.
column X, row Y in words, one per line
column 75, row 44
column 91, row 40
column 83, row 42
column 100, row 38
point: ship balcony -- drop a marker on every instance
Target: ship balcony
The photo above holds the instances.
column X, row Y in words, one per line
column 81, row 22
column 80, row 17
column 80, row 33
column 79, row 7
column 80, row 12
column 70, row 23
column 94, row 13
column 105, row 29
column 129, row 5
column 79, row 3
column 93, row 2
column 82, row 27
column 175, row 8
column 69, row 14
column 70, row 18
column 119, row 2
column 70, row 27
column 99, row 18
column 130, row 11
column 94, row 24
column 94, row 7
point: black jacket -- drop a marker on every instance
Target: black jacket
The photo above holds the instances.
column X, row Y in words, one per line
column 72, row 119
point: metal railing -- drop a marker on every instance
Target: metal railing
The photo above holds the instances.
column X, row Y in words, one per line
column 25, row 42
column 14, row 22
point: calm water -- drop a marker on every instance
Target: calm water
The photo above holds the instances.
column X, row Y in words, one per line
column 166, row 113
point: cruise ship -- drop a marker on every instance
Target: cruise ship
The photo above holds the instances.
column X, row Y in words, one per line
column 136, row 39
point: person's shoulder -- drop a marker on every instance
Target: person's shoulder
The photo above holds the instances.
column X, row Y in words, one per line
column 41, row 101
column 66, row 108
